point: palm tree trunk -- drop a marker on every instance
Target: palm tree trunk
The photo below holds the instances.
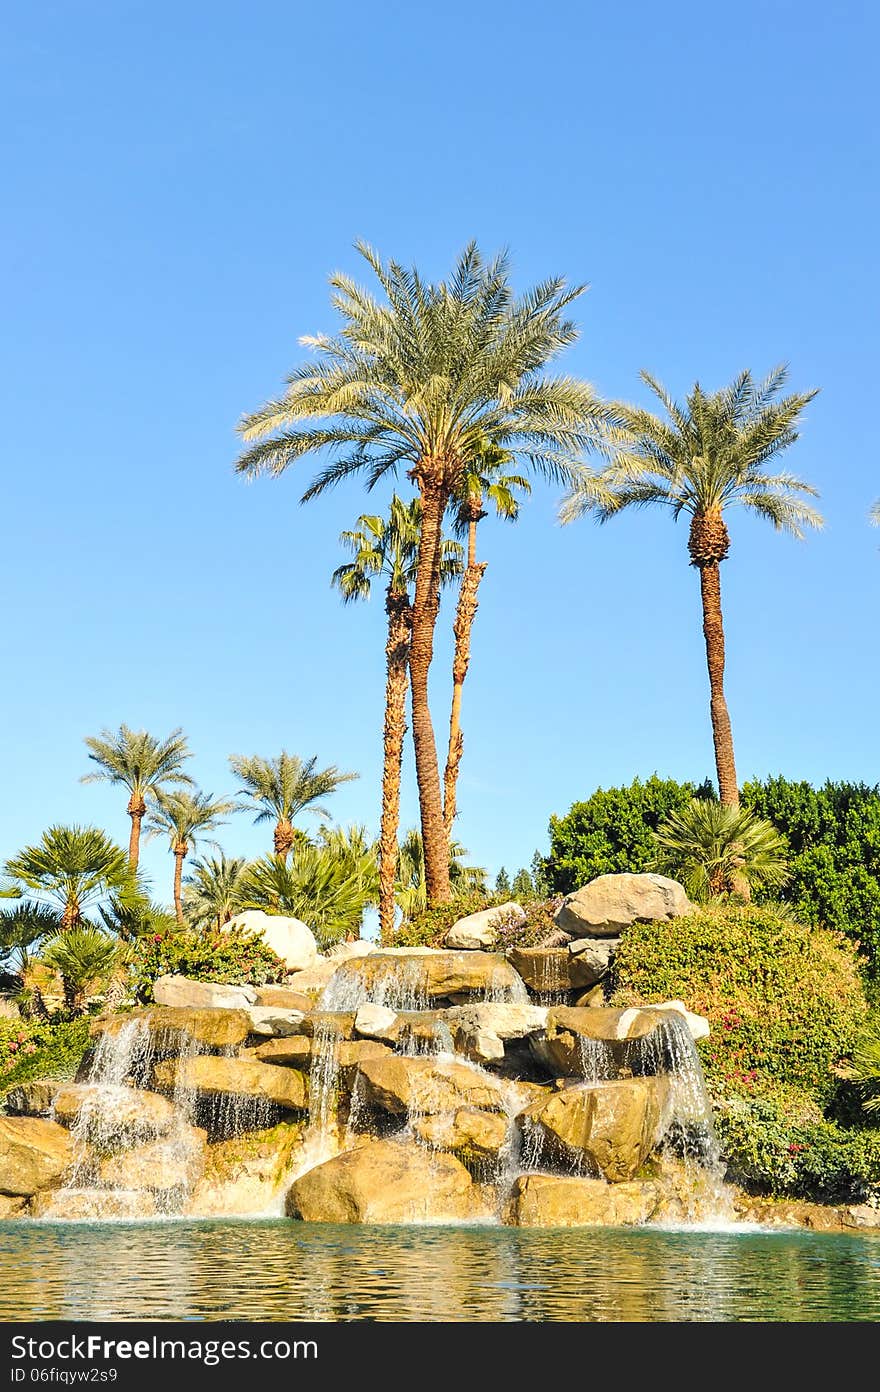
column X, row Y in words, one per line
column 136, row 809
column 424, row 617
column 465, row 613
column 179, row 857
column 713, row 632
column 397, row 653
column 71, row 917
column 284, row 838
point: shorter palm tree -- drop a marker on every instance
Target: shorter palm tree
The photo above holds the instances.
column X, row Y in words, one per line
column 412, row 890
column 83, row 957
column 214, row 890
column 71, row 869
column 283, row 787
column 185, row 818
column 21, row 929
column 864, row 1067
column 715, row 849
column 143, row 764
column 315, row 884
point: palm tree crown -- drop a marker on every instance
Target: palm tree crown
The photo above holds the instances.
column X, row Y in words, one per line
column 483, row 480
column 389, row 547
column 213, row 890
column 186, row 818
column 279, row 789
column 71, row 869
column 138, row 761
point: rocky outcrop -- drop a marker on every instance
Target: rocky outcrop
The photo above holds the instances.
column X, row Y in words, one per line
column 312, row 981
column 564, row 1047
column 426, row 1086
column 275, row 1020
column 34, row 1155
column 475, row 1137
column 610, row 1128
column 172, row 1028
column 376, row 1022
column 236, row 1077
column 110, row 1118
column 285, row 996
column 611, row 903
column 437, row 974
column 480, row 930
column 568, row 1201
column 244, row 1174
column 479, row 1031
column 289, row 938
column 299, row 1052
column 32, row 1099
column 160, row 1165
column 75, row 1205
column 201, row 995
column 546, row 969
column 387, row 1182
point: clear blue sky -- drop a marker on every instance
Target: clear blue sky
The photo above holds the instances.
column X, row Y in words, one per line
column 178, row 181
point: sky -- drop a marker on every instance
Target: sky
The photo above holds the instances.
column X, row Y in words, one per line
column 180, row 180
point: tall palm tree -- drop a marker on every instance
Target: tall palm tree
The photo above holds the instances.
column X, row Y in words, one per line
column 213, row 890
column 710, row 454
column 481, row 481
column 142, row 764
column 389, row 547
column 71, row 869
column 417, row 382
column 281, row 788
column 185, row 818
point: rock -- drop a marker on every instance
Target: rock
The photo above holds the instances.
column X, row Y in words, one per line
column 698, row 1025
column 427, row 1085
column 594, row 998
column 244, row 1174
column 566, row 1045
column 201, row 995
column 289, row 1053
column 313, row 981
column 610, row 903
column 860, row 1216
column 480, row 930
column 479, row 1031
column 289, row 938
column 212, row 1076
column 433, row 974
column 338, row 1023
column 788, row 1213
column 73, row 1205
column 12, row 1207
column 386, row 1182
column 345, row 951
column 110, row 1118
column 275, row 1020
column 165, row 1164
column 561, row 969
column 33, row 1154
column 32, row 1099
column 474, row 1136
column 285, row 996
column 376, row 1022
column 611, row 1127
column 567, row 1201
column 171, row 1028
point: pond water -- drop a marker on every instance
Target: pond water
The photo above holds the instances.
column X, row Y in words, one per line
column 297, row 1271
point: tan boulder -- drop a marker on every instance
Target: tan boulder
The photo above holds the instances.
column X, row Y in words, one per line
column 611, row 903
column 400, row 1085
column 376, row 1022
column 12, row 1207
column 32, row 1099
column 312, row 982
column 338, row 1023
column 33, row 1154
column 275, row 1021
column 172, row 1027
column 387, row 1182
column 558, row 969
column 71, row 1205
column 474, row 1136
column 610, row 1127
column 201, row 995
column 285, row 996
column 564, row 1047
column 110, row 1118
column 479, row 1031
column 295, row 1052
column 244, row 1175
column 567, row 1201
column 480, row 930
column 165, row 1164
column 289, row 938
column 212, row 1076
column 431, row 974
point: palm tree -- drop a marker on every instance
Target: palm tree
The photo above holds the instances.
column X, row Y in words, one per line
column 142, row 764
column 20, row 929
column 325, row 889
column 389, row 547
column 213, row 892
column 714, row 849
column 185, row 818
column 418, row 382
column 412, row 888
column 282, row 788
column 481, row 480
column 711, row 454
column 71, row 870
column 82, row 957
column 874, row 514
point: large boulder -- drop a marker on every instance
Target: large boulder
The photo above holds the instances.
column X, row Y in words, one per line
column 583, row 1041
column 480, row 930
column 284, row 996
column 211, row 1076
column 313, row 981
column 425, row 1086
column 376, row 1022
column 289, row 938
column 275, row 1020
column 73, row 1205
column 475, row 1137
column 609, row 1127
column 33, row 1154
column 547, row 969
column 568, row 1201
column 387, row 1182
column 299, row 1052
column 164, row 1164
column 479, row 1031
column 32, row 1099
column 424, row 974
column 111, row 1118
column 201, row 995
column 173, row 1028
column 611, row 903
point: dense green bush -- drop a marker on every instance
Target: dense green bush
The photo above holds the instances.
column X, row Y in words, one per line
column 770, row 1151
column 234, row 957
column 44, row 1049
column 785, row 1002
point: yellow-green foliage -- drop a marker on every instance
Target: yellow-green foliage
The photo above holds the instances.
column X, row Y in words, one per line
column 785, row 1002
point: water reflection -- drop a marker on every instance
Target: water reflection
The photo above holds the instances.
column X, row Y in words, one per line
column 283, row 1270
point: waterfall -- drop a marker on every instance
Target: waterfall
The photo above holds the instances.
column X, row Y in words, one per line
column 399, row 985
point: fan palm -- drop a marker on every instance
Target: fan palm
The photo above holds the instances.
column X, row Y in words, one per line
column 864, row 1067
column 142, row 764
column 481, row 481
column 71, row 869
column 213, row 890
column 186, row 818
column 83, row 957
column 21, row 928
column 389, row 547
column 315, row 885
column 711, row 454
column 281, row 788
column 713, row 849
column 418, row 382
column 412, row 889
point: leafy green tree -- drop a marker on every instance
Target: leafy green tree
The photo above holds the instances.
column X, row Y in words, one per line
column 144, row 765
column 713, row 849
column 185, row 818
column 610, row 833
column 709, row 455
column 281, row 788
column 213, row 891
column 71, row 869
column 83, row 957
column 417, row 382
column 502, row 883
column 523, row 889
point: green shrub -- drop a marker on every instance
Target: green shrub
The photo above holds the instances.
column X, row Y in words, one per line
column 45, row 1049
column 429, row 927
column 771, row 1151
column 234, row 957
column 785, row 1002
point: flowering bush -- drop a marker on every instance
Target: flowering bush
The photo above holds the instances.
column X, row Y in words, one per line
column 234, row 957
column 770, row 1149
column 45, row 1049
column 428, row 929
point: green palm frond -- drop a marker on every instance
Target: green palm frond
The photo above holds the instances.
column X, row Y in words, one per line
column 389, row 547
column 326, row 890
column 280, row 788
column 411, row 891
column 138, row 760
column 22, row 928
column 83, row 957
column 185, row 818
column 709, row 847
column 214, row 890
column 864, row 1068
column 70, row 866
